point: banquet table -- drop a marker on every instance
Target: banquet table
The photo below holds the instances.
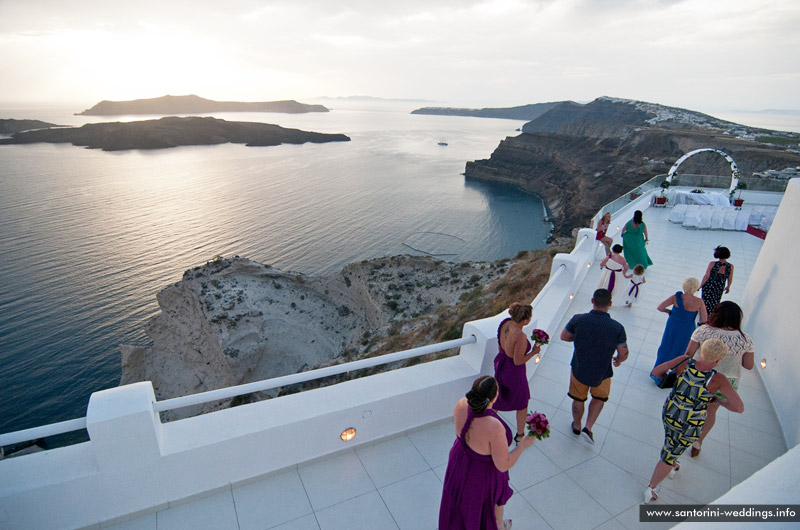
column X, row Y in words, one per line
column 713, row 198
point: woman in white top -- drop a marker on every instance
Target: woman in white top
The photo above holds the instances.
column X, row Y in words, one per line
column 724, row 324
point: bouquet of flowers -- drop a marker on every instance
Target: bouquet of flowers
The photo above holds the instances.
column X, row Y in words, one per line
column 540, row 336
column 538, row 425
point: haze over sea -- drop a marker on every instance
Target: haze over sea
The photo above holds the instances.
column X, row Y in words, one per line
column 88, row 237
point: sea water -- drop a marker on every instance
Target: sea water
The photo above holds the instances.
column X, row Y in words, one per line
column 89, row 237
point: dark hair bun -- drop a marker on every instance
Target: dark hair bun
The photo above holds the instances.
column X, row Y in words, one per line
column 483, row 391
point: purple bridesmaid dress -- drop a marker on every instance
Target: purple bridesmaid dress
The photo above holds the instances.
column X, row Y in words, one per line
column 473, row 486
column 512, row 379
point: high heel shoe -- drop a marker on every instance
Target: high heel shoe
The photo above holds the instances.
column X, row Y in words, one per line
column 695, row 449
column 650, row 494
column 507, row 524
column 674, row 470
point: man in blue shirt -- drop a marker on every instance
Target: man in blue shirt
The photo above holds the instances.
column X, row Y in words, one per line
column 597, row 337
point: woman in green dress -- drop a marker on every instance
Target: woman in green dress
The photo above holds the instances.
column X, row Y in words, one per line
column 634, row 238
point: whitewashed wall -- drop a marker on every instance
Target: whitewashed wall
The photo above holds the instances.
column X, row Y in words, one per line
column 771, row 308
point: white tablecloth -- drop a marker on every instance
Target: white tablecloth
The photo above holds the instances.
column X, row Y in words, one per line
column 713, row 198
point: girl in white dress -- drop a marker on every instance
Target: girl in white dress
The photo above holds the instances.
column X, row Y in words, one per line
column 634, row 285
column 614, row 273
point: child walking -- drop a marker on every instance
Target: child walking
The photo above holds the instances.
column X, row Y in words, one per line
column 634, row 287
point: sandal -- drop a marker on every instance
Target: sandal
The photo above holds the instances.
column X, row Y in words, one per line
column 650, row 494
column 695, row 449
column 674, row 470
column 507, row 524
column 517, row 439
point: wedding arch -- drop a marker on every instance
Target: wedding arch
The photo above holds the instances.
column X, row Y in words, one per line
column 734, row 168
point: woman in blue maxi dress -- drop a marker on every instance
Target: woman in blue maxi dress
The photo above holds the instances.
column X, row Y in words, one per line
column 681, row 322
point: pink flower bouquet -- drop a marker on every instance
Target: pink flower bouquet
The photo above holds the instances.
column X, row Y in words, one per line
column 540, row 336
column 538, row 425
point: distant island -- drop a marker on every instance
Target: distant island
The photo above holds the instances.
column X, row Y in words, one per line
column 524, row 112
column 171, row 132
column 194, row 105
column 9, row 126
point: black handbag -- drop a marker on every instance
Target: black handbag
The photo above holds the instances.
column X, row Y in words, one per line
column 668, row 381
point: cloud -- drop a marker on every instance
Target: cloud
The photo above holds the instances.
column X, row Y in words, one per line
column 470, row 52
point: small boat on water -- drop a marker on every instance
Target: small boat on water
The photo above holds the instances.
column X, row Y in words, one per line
column 442, row 141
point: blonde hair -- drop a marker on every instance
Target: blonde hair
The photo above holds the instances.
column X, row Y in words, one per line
column 690, row 285
column 713, row 350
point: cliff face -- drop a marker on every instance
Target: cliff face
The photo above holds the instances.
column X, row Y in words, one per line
column 234, row 321
column 580, row 157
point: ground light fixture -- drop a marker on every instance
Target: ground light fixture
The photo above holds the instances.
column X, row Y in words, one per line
column 348, row 434
column 763, row 363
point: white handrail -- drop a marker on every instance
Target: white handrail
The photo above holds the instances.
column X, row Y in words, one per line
column 275, row 382
column 43, row 431
column 233, row 391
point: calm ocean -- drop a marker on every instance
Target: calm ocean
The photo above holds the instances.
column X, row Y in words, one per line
column 88, row 238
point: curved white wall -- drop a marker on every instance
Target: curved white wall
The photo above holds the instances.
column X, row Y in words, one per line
column 771, row 311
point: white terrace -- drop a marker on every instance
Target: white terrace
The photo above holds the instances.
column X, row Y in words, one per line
column 280, row 464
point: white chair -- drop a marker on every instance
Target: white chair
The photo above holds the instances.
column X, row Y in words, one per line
column 717, row 218
column 742, row 220
column 729, row 223
column 705, row 217
column 678, row 213
column 692, row 217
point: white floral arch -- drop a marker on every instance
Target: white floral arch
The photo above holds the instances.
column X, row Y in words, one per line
column 734, row 168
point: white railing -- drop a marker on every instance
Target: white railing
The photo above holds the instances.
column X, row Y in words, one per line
column 44, row 431
column 310, row 375
column 77, row 424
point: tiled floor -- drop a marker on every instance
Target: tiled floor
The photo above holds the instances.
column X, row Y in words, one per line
column 559, row 483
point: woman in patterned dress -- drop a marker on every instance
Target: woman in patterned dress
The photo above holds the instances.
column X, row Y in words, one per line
column 684, row 412
column 717, row 273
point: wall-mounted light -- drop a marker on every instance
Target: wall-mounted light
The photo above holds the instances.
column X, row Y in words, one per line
column 763, row 363
column 571, row 296
column 348, row 434
column 588, row 265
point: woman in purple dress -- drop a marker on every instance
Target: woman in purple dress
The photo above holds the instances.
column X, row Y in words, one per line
column 476, row 481
column 509, row 364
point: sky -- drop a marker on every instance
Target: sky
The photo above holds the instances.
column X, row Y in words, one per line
column 704, row 55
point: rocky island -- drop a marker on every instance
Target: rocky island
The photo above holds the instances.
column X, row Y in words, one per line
column 195, row 105
column 9, row 126
column 580, row 157
column 524, row 112
column 234, row 321
column 171, row 132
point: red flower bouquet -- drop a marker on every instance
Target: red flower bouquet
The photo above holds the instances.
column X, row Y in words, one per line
column 540, row 336
column 538, row 425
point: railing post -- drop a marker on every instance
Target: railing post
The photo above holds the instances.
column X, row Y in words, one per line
column 480, row 354
column 124, row 430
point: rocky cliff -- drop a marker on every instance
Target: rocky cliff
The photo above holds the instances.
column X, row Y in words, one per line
column 580, row 157
column 234, row 321
column 195, row 105
column 171, row 132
